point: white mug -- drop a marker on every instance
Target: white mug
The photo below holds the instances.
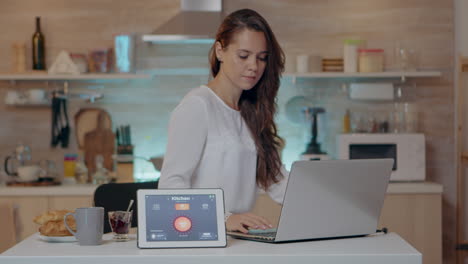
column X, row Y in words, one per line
column 28, row 173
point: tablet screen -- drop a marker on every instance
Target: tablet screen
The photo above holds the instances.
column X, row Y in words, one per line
column 181, row 217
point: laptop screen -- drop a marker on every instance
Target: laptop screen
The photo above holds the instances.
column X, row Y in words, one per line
column 188, row 217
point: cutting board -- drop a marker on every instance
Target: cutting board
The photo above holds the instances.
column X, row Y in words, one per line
column 86, row 121
column 100, row 141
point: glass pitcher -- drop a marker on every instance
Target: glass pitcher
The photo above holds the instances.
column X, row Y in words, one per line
column 20, row 157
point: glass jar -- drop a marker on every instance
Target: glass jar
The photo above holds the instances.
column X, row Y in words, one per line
column 69, row 165
column 98, row 60
column 371, row 60
column 19, row 57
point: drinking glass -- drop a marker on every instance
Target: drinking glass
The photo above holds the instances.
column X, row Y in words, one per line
column 406, row 58
column 411, row 118
column 397, row 123
column 120, row 222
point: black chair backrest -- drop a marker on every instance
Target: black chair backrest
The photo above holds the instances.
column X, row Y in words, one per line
column 116, row 197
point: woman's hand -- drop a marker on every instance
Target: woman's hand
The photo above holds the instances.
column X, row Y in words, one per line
column 245, row 221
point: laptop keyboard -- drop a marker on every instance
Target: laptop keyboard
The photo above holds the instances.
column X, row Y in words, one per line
column 268, row 234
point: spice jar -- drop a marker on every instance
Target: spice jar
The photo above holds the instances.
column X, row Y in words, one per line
column 371, row 60
column 98, row 60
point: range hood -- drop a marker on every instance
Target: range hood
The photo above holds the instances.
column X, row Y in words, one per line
column 197, row 22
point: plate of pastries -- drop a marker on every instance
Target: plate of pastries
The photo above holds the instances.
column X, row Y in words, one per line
column 52, row 228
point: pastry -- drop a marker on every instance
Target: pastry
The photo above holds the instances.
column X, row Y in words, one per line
column 52, row 223
column 50, row 216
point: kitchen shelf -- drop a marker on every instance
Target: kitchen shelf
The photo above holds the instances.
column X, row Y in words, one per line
column 39, row 105
column 148, row 74
column 70, row 77
column 342, row 75
column 200, row 71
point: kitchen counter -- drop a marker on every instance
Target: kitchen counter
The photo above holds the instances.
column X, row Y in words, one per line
column 414, row 187
column 389, row 248
column 60, row 190
column 88, row 189
column 407, row 204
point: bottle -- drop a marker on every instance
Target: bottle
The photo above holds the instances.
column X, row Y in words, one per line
column 38, row 47
column 346, row 122
column 100, row 176
column 81, row 171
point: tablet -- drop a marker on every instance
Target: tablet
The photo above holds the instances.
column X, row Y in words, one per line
column 175, row 218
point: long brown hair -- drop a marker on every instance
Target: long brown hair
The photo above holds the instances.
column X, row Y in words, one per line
column 258, row 105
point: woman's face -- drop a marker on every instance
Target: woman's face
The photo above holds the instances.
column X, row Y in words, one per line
column 244, row 59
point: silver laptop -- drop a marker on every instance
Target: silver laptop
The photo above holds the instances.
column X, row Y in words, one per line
column 329, row 199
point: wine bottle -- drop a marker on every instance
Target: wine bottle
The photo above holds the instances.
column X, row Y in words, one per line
column 38, row 47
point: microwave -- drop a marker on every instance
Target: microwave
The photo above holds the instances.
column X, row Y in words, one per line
column 407, row 150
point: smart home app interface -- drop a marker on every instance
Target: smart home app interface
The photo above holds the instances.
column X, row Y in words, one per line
column 181, row 217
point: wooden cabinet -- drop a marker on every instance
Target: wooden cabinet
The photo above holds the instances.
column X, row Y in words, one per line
column 27, row 207
column 416, row 217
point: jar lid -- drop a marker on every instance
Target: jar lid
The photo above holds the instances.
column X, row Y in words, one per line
column 370, row 50
column 70, row 156
column 77, row 55
column 353, row 41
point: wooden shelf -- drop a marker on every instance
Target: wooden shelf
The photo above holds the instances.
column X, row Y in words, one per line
column 205, row 71
column 33, row 105
column 365, row 75
column 70, row 77
column 361, row 75
column 178, row 71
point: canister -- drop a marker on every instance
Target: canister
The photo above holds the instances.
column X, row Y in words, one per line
column 19, row 57
column 350, row 54
column 371, row 60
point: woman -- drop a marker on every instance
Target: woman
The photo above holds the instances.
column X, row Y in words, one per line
column 223, row 135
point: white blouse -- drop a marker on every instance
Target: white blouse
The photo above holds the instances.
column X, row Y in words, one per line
column 210, row 146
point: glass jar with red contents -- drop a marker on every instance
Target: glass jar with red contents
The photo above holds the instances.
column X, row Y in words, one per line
column 371, row 60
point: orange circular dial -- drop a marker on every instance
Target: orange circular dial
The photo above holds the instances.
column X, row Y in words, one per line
column 182, row 224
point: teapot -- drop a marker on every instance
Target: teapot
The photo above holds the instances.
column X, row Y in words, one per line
column 19, row 158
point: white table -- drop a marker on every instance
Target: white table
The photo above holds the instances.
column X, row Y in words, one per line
column 382, row 249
